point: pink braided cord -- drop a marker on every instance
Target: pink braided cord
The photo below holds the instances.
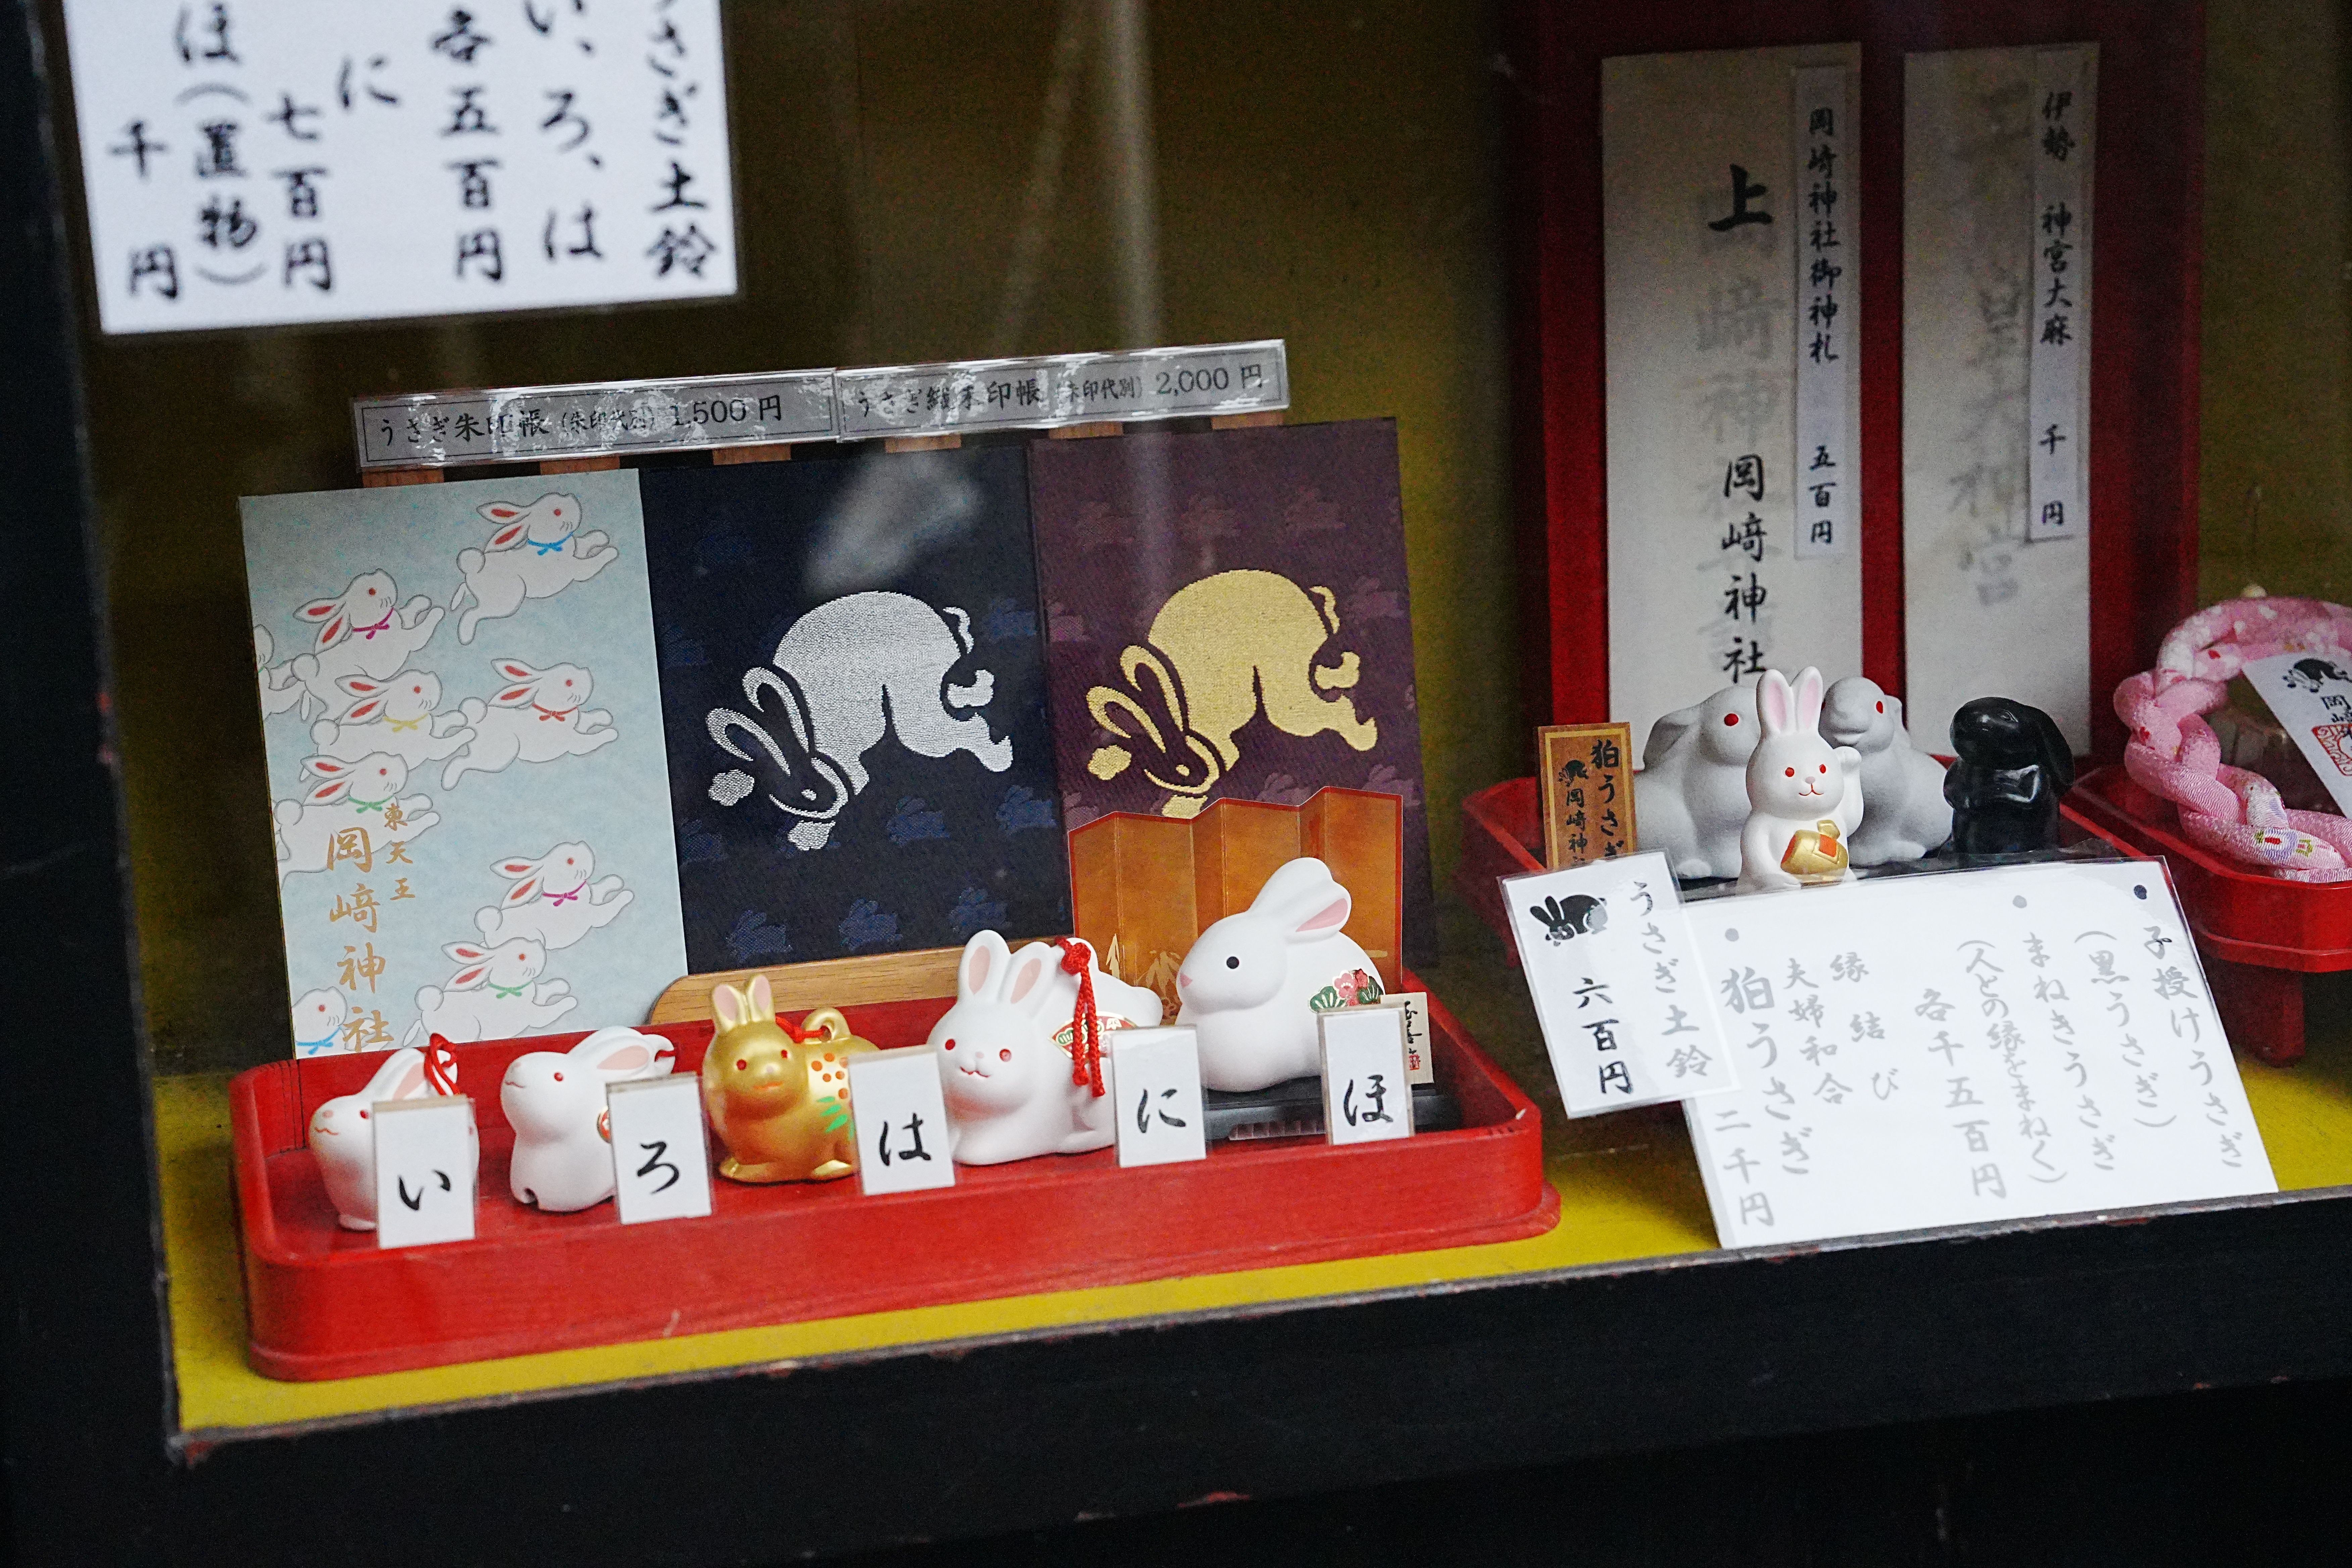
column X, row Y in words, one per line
column 2173, row 753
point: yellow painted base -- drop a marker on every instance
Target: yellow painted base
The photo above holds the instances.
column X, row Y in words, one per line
column 1629, row 1191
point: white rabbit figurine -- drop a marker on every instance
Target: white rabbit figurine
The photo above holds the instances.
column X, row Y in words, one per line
column 1690, row 799
column 1006, row 1051
column 1804, row 794
column 1253, row 982
column 343, row 1138
column 1907, row 815
column 555, row 1103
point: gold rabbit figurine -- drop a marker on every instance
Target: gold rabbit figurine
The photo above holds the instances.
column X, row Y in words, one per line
column 779, row 1096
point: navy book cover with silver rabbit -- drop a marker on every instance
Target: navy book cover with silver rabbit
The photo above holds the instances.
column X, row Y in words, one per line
column 852, row 685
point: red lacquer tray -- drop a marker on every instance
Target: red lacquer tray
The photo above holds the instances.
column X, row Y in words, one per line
column 326, row 1302
column 2259, row 936
column 1502, row 836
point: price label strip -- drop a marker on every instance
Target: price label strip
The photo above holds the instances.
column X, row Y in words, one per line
column 530, row 424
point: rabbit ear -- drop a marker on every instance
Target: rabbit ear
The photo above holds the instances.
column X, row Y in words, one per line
column 360, row 712
column 617, row 1053
column 727, row 1006
column 516, row 865
column 467, row 978
column 498, row 511
column 1809, row 699
column 1304, row 901
column 2058, row 754
column 985, row 960
column 514, row 697
column 358, row 686
column 465, row 952
column 404, row 1067
column 1776, row 704
column 515, row 669
column 329, row 793
column 760, row 996
column 1029, row 969
column 326, row 767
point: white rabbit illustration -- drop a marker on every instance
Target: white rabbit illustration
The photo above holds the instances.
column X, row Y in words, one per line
column 364, row 630
column 364, row 794
column 279, row 689
column 555, row 1103
column 319, row 1019
column 537, row 716
column 1690, row 799
column 1253, row 982
column 1906, row 815
column 554, row 900
column 1004, row 1053
column 394, row 716
column 494, row 995
column 342, row 1135
column 1805, row 796
column 535, row 552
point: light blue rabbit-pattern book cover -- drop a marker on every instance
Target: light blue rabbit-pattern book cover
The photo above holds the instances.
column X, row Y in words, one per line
column 468, row 798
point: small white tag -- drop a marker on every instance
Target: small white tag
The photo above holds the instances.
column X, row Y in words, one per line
column 661, row 1155
column 1156, row 1086
column 425, row 1158
column 1420, row 1066
column 2310, row 694
column 1366, row 1095
column 902, row 1122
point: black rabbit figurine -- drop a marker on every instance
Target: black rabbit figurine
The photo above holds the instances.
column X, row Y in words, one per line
column 2013, row 766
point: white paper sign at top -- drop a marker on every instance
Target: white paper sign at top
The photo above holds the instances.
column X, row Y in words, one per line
column 661, row 1153
column 902, row 1122
column 1995, row 1045
column 2058, row 506
column 1827, row 466
column 248, row 163
column 426, row 1157
column 1366, row 1095
column 2311, row 695
column 1617, row 985
column 1996, row 596
column 1156, row 1088
column 1713, row 220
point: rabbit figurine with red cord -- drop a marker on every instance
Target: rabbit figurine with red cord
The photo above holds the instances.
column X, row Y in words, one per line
column 1804, row 794
column 342, row 1132
column 1012, row 1050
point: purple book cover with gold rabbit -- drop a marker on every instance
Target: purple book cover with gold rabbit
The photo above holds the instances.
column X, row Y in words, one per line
column 1226, row 614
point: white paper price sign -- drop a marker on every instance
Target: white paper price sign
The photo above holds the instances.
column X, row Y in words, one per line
column 1617, row 985
column 1366, row 1093
column 249, row 164
column 1420, row 1065
column 426, row 1156
column 1994, row 1044
column 902, row 1122
column 2310, row 694
column 661, row 1155
column 1156, row 1088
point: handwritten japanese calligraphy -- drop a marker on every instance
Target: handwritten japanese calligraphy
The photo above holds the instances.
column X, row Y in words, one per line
column 248, row 163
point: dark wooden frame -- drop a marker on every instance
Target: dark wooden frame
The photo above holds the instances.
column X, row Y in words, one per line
column 2144, row 385
column 769, row 1462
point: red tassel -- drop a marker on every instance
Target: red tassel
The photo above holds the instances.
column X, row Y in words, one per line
column 440, row 1065
column 1086, row 1024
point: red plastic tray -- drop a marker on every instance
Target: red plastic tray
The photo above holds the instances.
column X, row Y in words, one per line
column 1502, row 836
column 326, row 1302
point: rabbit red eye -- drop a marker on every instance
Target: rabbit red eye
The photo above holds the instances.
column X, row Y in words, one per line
column 559, row 511
column 1730, row 719
column 951, row 1042
column 783, row 1056
column 1882, row 708
column 1004, row 1056
column 1826, row 767
column 363, row 1116
column 741, row 1062
column 1792, row 773
column 559, row 1077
